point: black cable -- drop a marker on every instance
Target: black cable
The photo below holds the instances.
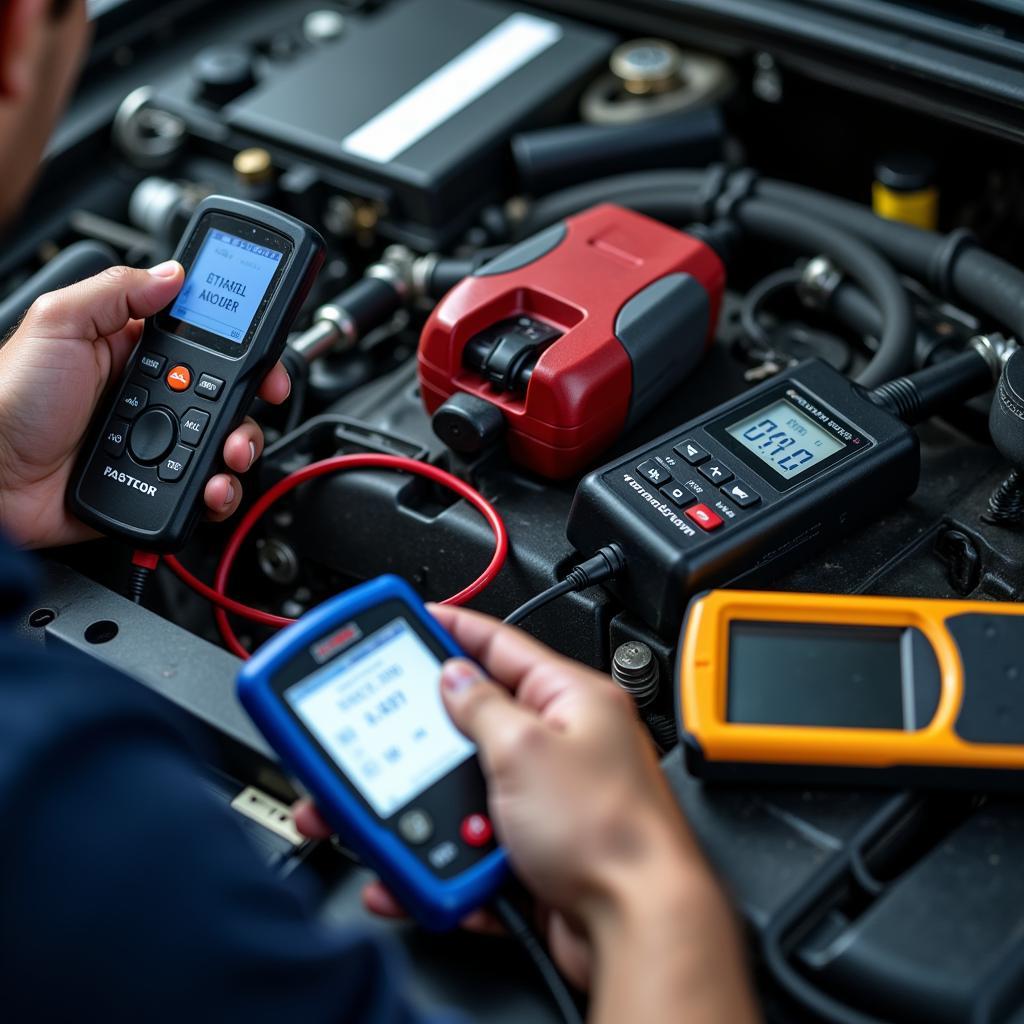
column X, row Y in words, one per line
column 608, row 562
column 952, row 266
column 519, row 928
column 917, row 396
column 758, row 297
column 137, row 582
column 298, row 371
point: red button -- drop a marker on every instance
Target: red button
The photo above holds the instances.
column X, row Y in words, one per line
column 476, row 830
column 179, row 378
column 704, row 517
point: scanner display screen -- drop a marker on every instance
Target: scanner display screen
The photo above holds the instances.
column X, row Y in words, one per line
column 226, row 284
column 377, row 712
column 785, row 438
column 819, row 675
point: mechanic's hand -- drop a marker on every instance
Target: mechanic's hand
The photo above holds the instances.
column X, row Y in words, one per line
column 581, row 806
column 53, row 371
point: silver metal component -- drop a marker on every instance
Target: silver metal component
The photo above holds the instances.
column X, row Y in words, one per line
column 767, row 82
column 818, row 281
column 339, row 216
column 396, row 268
column 701, row 79
column 995, row 349
column 278, row 561
column 148, row 136
column 153, row 202
column 422, row 269
column 323, row 26
column 635, row 669
column 645, row 66
column 273, row 815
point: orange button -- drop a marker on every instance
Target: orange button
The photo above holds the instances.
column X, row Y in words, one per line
column 179, row 378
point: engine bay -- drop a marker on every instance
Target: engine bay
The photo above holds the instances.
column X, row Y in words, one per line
column 550, row 259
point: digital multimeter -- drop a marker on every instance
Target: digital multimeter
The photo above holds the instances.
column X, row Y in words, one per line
column 757, row 482
column 349, row 697
column 142, row 470
column 818, row 688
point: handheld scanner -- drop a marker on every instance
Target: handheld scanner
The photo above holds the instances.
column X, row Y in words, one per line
column 749, row 487
column 145, row 462
column 349, row 697
column 575, row 333
column 813, row 688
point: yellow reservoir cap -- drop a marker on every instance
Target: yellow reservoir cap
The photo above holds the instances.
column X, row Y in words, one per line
column 919, row 208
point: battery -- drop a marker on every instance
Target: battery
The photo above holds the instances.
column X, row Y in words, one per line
column 423, row 96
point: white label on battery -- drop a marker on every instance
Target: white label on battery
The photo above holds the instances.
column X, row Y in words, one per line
column 465, row 78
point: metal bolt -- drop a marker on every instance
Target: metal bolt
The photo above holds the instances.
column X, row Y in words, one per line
column 635, row 669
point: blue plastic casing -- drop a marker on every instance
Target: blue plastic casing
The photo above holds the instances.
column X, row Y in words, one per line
column 437, row 904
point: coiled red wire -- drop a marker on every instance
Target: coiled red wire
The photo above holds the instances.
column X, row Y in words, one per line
column 217, row 594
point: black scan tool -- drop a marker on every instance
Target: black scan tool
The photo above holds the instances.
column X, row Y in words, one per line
column 142, row 470
column 757, row 482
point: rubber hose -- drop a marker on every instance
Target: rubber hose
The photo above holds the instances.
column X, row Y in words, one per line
column 875, row 275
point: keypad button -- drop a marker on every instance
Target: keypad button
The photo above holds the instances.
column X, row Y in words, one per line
column 175, row 464
column 654, row 472
column 179, row 378
column 476, row 830
column 415, row 826
column 679, row 496
column 152, row 436
column 443, row 854
column 151, row 364
column 692, row 452
column 133, row 400
column 698, row 488
column 115, row 438
column 715, row 471
column 193, row 426
column 741, row 494
column 209, row 387
column 704, row 517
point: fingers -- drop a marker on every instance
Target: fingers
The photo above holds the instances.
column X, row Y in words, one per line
column 222, row 496
column 243, row 446
column 486, row 713
column 103, row 305
column 378, row 900
column 309, row 821
column 276, row 386
column 507, row 654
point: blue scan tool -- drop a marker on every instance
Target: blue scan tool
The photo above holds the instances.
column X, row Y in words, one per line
column 349, row 697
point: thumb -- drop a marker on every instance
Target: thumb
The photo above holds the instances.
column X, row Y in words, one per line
column 481, row 709
column 103, row 305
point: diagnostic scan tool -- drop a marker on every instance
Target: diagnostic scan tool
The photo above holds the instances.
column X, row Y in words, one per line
column 349, row 697
column 814, row 688
column 143, row 468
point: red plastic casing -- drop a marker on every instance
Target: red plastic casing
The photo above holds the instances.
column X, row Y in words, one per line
column 579, row 396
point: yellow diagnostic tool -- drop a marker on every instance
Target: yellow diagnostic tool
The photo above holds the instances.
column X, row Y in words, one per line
column 816, row 688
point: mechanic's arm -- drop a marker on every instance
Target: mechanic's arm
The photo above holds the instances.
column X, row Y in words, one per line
column 129, row 894
column 591, row 827
column 54, row 370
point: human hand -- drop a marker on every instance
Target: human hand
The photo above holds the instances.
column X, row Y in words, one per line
column 55, row 368
column 575, row 791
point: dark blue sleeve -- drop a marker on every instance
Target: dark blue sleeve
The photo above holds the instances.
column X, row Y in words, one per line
column 127, row 893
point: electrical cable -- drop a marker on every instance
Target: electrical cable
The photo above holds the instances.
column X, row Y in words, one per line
column 217, row 594
column 606, row 564
column 519, row 928
column 952, row 266
column 758, row 297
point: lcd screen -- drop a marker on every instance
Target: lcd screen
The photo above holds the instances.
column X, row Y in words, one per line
column 810, row 674
column 785, row 438
column 226, row 284
column 377, row 711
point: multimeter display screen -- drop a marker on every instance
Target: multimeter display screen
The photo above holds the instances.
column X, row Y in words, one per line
column 226, row 284
column 819, row 675
column 785, row 438
column 377, row 712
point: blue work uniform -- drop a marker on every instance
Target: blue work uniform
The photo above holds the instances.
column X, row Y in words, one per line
column 127, row 893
